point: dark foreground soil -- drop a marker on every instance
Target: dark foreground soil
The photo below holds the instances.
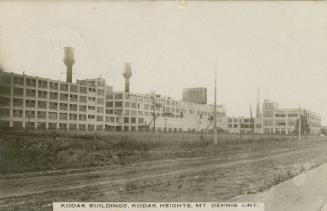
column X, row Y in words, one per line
column 126, row 171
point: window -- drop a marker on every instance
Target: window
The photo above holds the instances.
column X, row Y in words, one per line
column 42, row 84
column 100, row 109
column 41, row 114
column 109, row 111
column 109, row 104
column 42, row 94
column 92, row 99
column 109, row 96
column 18, row 80
column 112, row 119
column 63, row 87
column 127, row 104
column 52, row 115
column 63, row 126
column 62, row 116
column 73, row 98
column 82, row 127
column 99, row 118
column 29, row 115
column 41, row 104
column 92, row 83
column 126, row 120
column 18, row 91
column 82, row 99
column 100, row 100
column 118, row 104
column 82, row 117
column 53, row 105
column 91, row 116
column 133, row 120
column 92, row 90
column 72, row 116
column 118, row 96
column 82, row 89
column 72, row 127
column 17, row 113
column 54, row 85
column 63, row 106
column 30, row 82
column 63, row 97
column 73, row 88
column 18, row 102
column 53, row 95
column 30, row 103
column 100, row 92
column 91, row 108
column 293, row 115
column 141, row 120
column 73, row 107
column 30, row 92
column 82, row 107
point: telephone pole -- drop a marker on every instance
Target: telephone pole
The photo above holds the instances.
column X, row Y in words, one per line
column 299, row 123
column 215, row 138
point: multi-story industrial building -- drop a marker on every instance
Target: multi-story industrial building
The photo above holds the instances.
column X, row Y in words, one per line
column 245, row 125
column 33, row 102
column 285, row 120
column 134, row 112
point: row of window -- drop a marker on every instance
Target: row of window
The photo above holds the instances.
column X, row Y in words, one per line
column 51, row 115
column 30, row 82
column 53, row 125
column 5, row 101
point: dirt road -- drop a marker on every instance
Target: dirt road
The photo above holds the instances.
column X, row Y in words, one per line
column 205, row 178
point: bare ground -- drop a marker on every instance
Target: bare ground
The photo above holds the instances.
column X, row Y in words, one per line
column 236, row 170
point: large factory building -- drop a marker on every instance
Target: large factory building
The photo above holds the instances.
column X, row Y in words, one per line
column 286, row 120
column 33, row 102
column 40, row 103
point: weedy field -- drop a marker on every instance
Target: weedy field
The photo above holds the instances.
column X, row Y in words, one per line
column 39, row 168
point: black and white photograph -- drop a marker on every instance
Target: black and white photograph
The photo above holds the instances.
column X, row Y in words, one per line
column 167, row 104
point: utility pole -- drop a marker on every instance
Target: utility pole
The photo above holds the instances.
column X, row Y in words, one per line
column 215, row 138
column 251, row 120
column 299, row 123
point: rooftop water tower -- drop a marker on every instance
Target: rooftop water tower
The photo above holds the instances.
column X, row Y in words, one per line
column 127, row 75
column 69, row 61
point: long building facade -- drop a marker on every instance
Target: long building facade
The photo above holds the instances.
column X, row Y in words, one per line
column 33, row 102
column 286, row 120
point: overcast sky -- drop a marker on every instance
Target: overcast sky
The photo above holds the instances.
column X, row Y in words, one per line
column 279, row 47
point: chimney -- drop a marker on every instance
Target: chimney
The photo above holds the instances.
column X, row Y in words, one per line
column 258, row 103
column 127, row 75
column 69, row 62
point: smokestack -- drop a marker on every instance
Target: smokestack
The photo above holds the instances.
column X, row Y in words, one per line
column 258, row 103
column 69, row 62
column 127, row 75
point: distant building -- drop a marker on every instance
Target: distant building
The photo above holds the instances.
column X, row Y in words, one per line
column 245, row 125
column 284, row 120
column 195, row 95
column 140, row 112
